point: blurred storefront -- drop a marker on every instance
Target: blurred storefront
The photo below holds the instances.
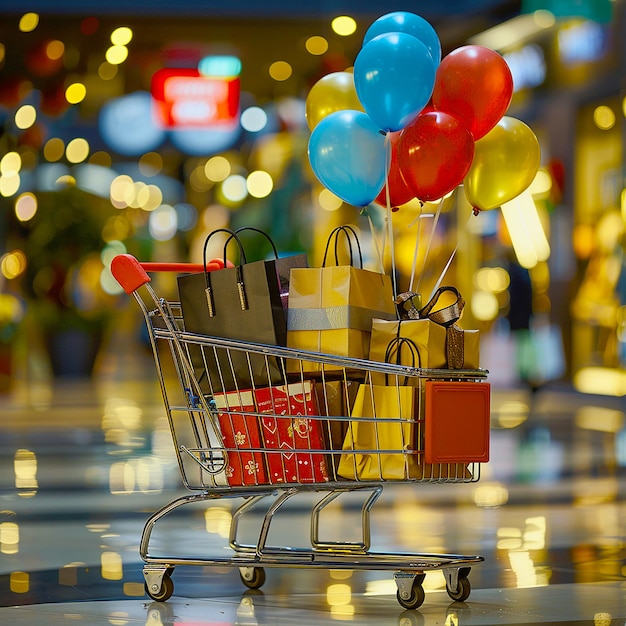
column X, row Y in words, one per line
column 569, row 66
column 85, row 162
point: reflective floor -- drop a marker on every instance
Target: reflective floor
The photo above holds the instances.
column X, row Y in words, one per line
column 83, row 464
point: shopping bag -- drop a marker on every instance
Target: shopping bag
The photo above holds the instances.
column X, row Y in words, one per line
column 241, row 435
column 335, row 398
column 441, row 343
column 284, row 265
column 241, row 303
column 456, row 424
column 381, row 444
column 331, row 307
column 292, row 430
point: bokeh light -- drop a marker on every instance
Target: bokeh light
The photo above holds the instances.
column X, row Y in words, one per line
column 107, row 71
column 28, row 22
column 344, row 25
column 217, row 169
column 163, row 223
column 9, row 184
column 329, row 201
column 13, row 264
column 55, row 49
column 234, row 188
column 25, row 116
column 53, row 149
column 280, row 70
column 77, row 150
column 75, row 93
column 150, row 163
column 25, row 206
column 253, row 119
column 484, row 306
column 259, row 184
column 116, row 55
column 121, row 36
column 604, row 117
column 10, row 164
column 316, row 45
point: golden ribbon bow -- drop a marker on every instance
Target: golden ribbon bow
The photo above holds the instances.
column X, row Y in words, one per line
column 446, row 317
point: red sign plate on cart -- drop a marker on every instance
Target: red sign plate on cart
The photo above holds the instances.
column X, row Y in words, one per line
column 456, row 428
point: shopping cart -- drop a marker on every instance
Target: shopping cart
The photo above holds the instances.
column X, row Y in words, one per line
column 299, row 432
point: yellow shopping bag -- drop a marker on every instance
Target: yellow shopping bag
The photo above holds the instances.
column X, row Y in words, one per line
column 441, row 343
column 331, row 308
column 381, row 443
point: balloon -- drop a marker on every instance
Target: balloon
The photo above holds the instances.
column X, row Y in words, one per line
column 435, row 152
column 505, row 163
column 347, row 154
column 334, row 92
column 394, row 76
column 475, row 84
column 411, row 24
column 399, row 193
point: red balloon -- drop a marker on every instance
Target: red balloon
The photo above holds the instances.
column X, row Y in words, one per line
column 435, row 152
column 475, row 84
column 399, row 193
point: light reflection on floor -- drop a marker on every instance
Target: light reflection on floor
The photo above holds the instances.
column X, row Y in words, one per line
column 83, row 464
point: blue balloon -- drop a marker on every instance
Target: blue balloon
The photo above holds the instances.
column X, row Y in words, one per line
column 394, row 76
column 348, row 156
column 411, row 24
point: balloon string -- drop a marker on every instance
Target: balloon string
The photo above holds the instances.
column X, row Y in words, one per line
column 445, row 269
column 380, row 249
column 430, row 240
column 376, row 244
column 416, row 250
column 389, row 213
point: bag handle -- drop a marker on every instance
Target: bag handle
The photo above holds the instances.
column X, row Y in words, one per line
column 347, row 231
column 256, row 230
column 449, row 314
column 398, row 343
column 241, row 288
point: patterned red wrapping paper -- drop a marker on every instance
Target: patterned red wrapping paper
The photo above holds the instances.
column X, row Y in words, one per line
column 241, row 431
column 290, row 436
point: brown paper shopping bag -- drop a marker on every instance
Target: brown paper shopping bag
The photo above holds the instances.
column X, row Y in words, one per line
column 331, row 307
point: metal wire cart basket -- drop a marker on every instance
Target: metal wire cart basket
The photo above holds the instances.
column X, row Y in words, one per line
column 271, row 422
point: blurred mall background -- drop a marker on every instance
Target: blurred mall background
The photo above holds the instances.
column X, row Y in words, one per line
column 86, row 172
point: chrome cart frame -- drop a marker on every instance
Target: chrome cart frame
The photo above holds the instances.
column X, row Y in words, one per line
column 205, row 457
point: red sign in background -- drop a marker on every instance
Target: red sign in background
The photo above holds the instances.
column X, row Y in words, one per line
column 183, row 98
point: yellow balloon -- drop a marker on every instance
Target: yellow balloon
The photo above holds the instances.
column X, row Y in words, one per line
column 333, row 92
column 505, row 162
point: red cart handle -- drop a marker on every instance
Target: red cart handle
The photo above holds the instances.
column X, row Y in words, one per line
column 131, row 274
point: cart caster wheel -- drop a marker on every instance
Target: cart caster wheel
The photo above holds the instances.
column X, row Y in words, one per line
column 252, row 577
column 164, row 592
column 462, row 591
column 415, row 597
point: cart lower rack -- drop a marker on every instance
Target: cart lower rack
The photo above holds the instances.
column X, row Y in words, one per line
column 256, row 425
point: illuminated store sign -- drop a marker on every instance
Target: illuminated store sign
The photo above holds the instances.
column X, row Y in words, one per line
column 187, row 98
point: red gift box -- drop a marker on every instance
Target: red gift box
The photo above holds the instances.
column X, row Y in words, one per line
column 240, row 432
column 288, row 429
